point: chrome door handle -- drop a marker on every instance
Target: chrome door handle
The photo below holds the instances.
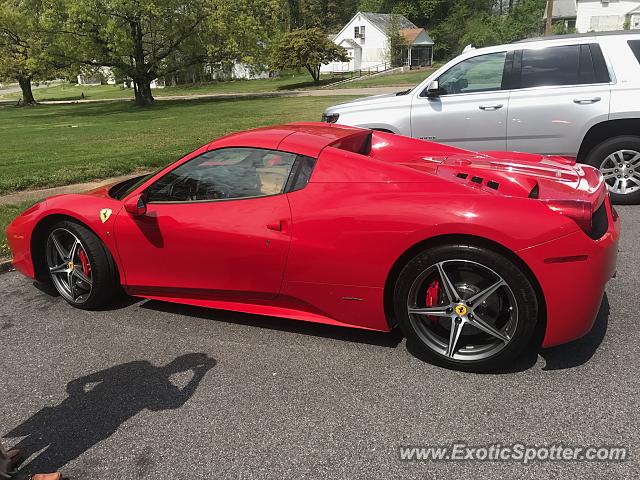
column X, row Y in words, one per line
column 494, row 106
column 586, row 101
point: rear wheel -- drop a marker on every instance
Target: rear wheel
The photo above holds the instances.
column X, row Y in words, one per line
column 619, row 161
column 466, row 307
column 80, row 267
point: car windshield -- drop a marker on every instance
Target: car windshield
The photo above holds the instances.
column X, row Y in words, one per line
column 121, row 190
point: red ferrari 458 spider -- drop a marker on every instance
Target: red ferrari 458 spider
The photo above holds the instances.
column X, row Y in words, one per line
column 472, row 255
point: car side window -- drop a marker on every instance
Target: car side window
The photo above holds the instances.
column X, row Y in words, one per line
column 226, row 173
column 483, row 73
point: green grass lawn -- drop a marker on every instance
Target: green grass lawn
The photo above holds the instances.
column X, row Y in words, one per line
column 51, row 145
column 69, row 91
column 408, row 79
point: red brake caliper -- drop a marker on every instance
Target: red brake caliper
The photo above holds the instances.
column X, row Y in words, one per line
column 433, row 291
column 86, row 267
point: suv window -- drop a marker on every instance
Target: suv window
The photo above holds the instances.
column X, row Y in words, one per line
column 477, row 74
column 550, row 66
column 563, row 65
column 635, row 48
column 225, row 174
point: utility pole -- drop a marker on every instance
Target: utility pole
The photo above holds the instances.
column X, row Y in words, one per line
column 548, row 30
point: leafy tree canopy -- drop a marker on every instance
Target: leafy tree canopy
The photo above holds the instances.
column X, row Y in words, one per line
column 25, row 39
column 309, row 48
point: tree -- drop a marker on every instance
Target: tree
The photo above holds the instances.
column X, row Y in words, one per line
column 549, row 25
column 25, row 53
column 308, row 48
column 328, row 15
column 142, row 39
column 397, row 45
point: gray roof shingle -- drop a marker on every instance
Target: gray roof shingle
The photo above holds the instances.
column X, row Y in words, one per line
column 383, row 20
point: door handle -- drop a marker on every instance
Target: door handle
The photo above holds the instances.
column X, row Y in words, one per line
column 586, row 101
column 275, row 226
column 493, row 106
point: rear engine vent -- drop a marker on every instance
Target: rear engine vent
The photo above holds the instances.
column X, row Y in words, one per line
column 476, row 180
column 462, row 175
column 535, row 192
column 492, row 184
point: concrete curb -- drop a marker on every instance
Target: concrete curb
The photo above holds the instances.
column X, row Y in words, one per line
column 5, row 265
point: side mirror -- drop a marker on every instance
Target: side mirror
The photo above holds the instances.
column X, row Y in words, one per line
column 434, row 90
column 136, row 206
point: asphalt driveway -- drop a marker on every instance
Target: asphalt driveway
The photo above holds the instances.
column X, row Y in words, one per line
column 154, row 390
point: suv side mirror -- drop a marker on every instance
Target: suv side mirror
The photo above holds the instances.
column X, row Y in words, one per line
column 434, row 90
column 136, row 206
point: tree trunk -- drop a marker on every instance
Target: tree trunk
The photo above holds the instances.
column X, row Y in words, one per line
column 549, row 28
column 27, row 94
column 143, row 94
column 315, row 73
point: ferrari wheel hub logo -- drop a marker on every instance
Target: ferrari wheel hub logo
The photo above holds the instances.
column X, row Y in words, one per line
column 105, row 213
column 70, row 265
column 461, row 310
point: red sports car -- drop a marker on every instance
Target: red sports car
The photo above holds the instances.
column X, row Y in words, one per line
column 470, row 254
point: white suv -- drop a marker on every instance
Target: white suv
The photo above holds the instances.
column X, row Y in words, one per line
column 573, row 95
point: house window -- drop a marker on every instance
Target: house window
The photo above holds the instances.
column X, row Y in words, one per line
column 358, row 32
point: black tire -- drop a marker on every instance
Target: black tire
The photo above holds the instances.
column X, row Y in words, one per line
column 519, row 289
column 104, row 275
column 597, row 156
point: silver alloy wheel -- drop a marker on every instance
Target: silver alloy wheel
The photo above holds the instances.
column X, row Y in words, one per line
column 474, row 315
column 621, row 171
column 66, row 266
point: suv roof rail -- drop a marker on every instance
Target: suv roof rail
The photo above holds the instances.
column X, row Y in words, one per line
column 580, row 35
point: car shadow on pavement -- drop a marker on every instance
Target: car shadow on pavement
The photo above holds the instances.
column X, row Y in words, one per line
column 579, row 351
column 561, row 357
column 381, row 339
column 120, row 302
column 99, row 403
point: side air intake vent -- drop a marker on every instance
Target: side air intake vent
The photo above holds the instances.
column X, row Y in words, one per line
column 476, row 180
column 492, row 184
column 535, row 192
column 462, row 175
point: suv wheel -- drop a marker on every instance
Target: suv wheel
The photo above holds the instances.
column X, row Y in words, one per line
column 619, row 161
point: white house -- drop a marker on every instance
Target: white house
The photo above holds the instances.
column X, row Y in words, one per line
column 366, row 39
column 597, row 15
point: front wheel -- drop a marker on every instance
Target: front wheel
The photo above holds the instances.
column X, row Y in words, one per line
column 80, row 267
column 466, row 307
column 618, row 159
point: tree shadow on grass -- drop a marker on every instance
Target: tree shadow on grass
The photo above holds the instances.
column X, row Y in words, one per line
column 99, row 403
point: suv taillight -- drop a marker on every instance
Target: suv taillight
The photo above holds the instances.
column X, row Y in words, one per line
column 579, row 211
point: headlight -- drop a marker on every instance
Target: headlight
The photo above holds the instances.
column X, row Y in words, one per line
column 330, row 117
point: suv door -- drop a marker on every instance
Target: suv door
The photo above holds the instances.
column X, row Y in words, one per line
column 559, row 92
column 471, row 110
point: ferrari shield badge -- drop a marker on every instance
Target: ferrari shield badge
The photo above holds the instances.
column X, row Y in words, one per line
column 461, row 310
column 105, row 213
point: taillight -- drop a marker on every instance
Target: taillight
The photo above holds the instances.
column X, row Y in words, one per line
column 579, row 211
